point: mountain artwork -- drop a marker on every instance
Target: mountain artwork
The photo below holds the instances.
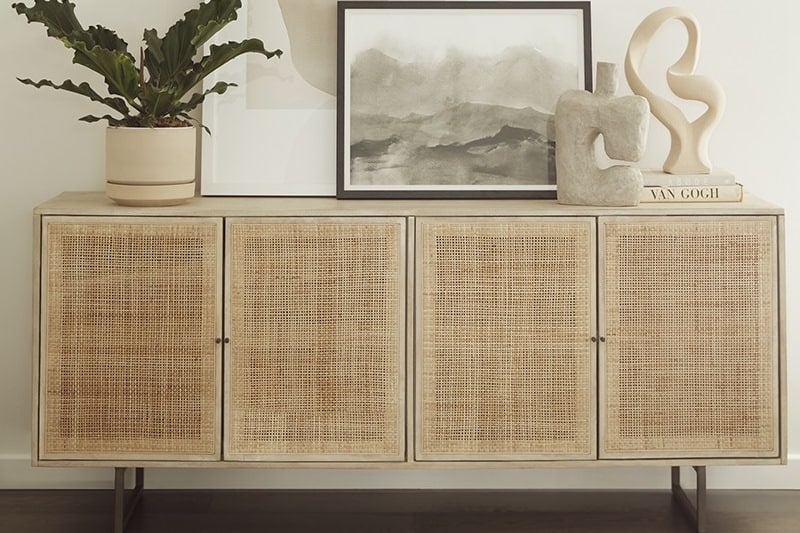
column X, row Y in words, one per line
column 464, row 120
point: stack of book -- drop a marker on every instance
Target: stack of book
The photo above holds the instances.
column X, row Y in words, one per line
column 719, row 186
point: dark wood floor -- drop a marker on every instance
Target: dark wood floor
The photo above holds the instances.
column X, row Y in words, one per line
column 397, row 512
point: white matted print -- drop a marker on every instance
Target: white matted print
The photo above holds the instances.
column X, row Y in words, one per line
column 275, row 134
column 455, row 99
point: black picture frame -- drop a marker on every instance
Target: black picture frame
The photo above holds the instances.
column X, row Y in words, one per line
column 454, row 99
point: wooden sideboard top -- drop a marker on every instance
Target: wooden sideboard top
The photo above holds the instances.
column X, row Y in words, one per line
column 96, row 203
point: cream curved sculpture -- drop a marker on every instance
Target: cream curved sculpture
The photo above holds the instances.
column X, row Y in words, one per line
column 689, row 150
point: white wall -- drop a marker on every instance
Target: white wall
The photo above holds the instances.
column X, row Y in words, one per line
column 751, row 48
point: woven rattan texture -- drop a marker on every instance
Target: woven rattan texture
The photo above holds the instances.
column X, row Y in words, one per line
column 690, row 357
column 506, row 323
column 129, row 359
column 316, row 339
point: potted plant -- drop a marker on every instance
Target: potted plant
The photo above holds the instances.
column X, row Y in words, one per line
column 151, row 138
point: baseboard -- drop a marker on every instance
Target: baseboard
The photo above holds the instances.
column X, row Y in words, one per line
column 16, row 472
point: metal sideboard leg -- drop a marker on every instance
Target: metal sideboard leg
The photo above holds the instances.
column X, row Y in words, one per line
column 125, row 507
column 696, row 510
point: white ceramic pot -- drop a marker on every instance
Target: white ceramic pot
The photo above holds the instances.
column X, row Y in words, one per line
column 151, row 166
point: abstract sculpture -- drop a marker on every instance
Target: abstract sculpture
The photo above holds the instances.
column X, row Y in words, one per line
column 581, row 117
column 689, row 151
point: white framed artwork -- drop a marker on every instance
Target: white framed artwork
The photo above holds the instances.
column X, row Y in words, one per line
column 275, row 133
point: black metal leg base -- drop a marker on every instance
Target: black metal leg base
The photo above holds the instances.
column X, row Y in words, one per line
column 695, row 510
column 124, row 508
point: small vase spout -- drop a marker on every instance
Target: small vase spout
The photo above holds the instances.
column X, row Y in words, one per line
column 607, row 82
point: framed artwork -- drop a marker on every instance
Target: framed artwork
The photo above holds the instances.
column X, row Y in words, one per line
column 275, row 133
column 455, row 99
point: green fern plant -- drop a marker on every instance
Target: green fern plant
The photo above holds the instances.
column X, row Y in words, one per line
column 161, row 90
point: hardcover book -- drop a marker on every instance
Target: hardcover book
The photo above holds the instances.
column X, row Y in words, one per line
column 656, row 178
column 713, row 193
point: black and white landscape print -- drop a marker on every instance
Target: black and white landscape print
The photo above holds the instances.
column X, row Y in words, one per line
column 429, row 112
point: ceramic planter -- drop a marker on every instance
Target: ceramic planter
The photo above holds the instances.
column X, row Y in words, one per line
column 150, row 166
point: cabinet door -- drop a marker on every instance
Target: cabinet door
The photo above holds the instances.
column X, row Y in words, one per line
column 689, row 310
column 505, row 360
column 316, row 359
column 129, row 315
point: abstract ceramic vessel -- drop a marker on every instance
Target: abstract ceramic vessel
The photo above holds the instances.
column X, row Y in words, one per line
column 689, row 150
column 581, row 117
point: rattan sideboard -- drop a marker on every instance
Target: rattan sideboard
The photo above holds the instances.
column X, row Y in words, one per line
column 408, row 334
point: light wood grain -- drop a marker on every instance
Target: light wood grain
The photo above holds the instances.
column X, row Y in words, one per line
column 782, row 327
column 36, row 333
column 410, row 215
column 95, row 203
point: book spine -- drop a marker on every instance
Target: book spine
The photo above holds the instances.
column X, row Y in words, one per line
column 661, row 179
column 716, row 193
